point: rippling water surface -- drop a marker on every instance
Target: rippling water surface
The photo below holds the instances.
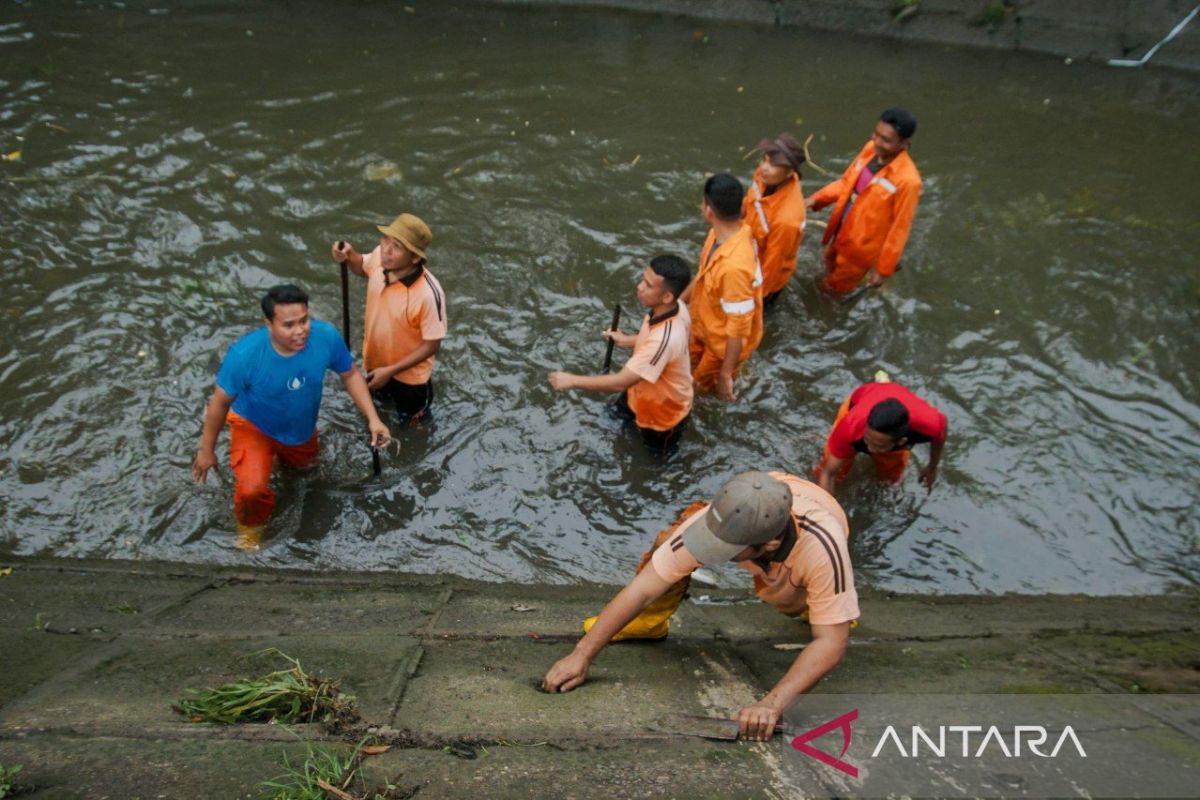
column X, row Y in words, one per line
column 176, row 161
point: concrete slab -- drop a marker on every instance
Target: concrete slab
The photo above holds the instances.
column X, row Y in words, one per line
column 682, row 767
column 104, row 768
column 993, row 664
column 32, row 657
column 63, row 600
column 515, row 610
column 138, row 685
column 477, row 688
column 278, row 606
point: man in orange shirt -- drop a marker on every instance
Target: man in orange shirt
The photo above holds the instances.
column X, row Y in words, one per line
column 725, row 299
column 656, row 381
column 774, row 211
column 874, row 203
column 789, row 534
column 405, row 320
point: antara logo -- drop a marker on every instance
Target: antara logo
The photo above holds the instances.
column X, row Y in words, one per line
column 1032, row 736
column 801, row 743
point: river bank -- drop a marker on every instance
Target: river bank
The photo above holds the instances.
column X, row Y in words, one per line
column 1080, row 30
column 96, row 652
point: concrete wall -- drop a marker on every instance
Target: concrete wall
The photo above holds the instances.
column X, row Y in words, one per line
column 1094, row 30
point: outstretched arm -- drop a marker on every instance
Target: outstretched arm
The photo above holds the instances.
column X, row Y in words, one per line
column 214, row 419
column 830, row 466
column 356, row 386
column 929, row 474
column 618, row 382
column 758, row 721
column 571, row 671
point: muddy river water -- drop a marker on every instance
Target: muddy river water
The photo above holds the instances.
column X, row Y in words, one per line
column 177, row 159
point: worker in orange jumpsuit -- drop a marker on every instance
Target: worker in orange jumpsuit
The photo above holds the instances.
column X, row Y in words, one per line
column 725, row 299
column 774, row 211
column 874, row 203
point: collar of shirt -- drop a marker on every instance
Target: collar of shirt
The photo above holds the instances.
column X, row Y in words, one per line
column 785, row 549
column 664, row 317
column 407, row 281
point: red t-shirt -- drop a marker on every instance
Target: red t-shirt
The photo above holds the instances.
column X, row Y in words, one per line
column 925, row 423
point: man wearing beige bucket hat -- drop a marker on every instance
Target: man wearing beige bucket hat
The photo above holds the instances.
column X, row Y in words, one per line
column 405, row 320
column 790, row 534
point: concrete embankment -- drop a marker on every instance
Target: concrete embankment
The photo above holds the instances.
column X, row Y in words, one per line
column 1083, row 30
column 96, row 652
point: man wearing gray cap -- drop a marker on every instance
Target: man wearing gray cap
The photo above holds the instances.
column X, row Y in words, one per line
column 790, row 534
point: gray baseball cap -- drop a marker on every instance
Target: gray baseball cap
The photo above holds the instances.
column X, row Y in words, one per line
column 751, row 508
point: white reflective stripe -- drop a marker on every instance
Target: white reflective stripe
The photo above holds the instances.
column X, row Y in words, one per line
column 885, row 183
column 758, row 276
column 803, row 224
column 742, row 307
column 762, row 218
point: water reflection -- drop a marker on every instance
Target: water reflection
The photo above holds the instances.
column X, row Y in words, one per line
column 172, row 170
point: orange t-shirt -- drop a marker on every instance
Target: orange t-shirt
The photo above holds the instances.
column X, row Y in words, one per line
column 777, row 222
column 727, row 298
column 400, row 317
column 663, row 396
column 810, row 571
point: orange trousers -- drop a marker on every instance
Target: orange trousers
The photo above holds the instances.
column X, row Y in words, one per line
column 841, row 274
column 251, row 455
column 888, row 466
column 706, row 366
column 660, row 610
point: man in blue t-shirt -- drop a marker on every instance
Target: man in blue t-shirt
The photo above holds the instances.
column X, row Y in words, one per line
column 269, row 389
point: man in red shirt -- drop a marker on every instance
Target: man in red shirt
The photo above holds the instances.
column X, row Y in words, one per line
column 884, row 420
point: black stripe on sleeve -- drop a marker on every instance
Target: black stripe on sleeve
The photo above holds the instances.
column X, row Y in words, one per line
column 437, row 300
column 662, row 346
column 835, row 557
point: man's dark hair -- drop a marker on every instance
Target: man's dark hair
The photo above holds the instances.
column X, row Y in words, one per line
column 902, row 120
column 674, row 271
column 889, row 417
column 283, row 294
column 724, row 194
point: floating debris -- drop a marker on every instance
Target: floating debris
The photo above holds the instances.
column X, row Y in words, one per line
column 384, row 171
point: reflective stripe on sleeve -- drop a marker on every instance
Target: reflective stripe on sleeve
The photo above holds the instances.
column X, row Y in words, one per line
column 885, row 183
column 740, row 307
column 762, row 217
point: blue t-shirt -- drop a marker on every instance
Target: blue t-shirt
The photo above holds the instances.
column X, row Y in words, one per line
column 282, row 394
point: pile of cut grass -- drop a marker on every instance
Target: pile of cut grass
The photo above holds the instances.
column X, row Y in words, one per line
column 285, row 695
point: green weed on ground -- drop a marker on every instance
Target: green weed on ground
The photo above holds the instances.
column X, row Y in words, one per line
column 286, row 695
column 324, row 773
column 8, row 780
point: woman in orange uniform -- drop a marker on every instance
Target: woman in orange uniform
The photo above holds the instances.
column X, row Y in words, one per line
column 774, row 211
